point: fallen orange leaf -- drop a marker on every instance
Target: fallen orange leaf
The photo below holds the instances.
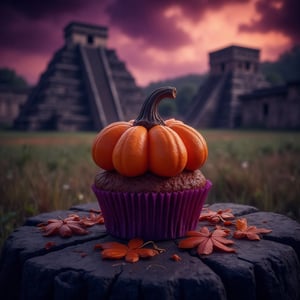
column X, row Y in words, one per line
column 132, row 252
column 251, row 232
column 176, row 257
column 207, row 241
column 64, row 227
column 217, row 216
column 93, row 219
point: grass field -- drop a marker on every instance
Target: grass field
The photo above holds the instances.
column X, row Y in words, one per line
column 47, row 171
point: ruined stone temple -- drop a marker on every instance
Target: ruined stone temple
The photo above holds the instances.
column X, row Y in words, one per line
column 233, row 71
column 276, row 107
column 85, row 86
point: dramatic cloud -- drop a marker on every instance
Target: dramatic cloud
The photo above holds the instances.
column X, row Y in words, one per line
column 36, row 10
column 35, row 26
column 156, row 39
column 156, row 22
column 276, row 15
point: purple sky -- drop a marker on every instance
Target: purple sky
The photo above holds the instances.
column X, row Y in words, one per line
column 157, row 39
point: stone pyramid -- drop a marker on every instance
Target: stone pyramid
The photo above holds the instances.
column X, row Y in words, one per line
column 85, row 86
column 234, row 71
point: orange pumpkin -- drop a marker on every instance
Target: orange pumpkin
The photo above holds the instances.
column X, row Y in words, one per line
column 149, row 143
column 194, row 142
column 105, row 142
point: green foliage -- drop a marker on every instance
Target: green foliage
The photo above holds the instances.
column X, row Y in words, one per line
column 257, row 168
column 287, row 68
column 187, row 87
column 179, row 82
column 167, row 108
column 9, row 78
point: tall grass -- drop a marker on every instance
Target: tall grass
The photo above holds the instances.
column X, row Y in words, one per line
column 48, row 171
column 256, row 168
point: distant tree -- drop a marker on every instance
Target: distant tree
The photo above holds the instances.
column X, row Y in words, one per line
column 184, row 98
column 9, row 78
column 186, row 86
column 167, row 109
column 289, row 64
column 287, row 68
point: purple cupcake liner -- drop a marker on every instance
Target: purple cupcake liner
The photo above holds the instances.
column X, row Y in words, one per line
column 151, row 216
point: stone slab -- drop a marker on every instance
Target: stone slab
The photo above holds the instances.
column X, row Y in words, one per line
column 237, row 209
column 154, row 278
column 72, row 269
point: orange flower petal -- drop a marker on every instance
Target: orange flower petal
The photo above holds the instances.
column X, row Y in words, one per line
column 205, row 247
column 222, row 247
column 132, row 257
column 76, row 228
column 146, row 252
column 241, row 224
column 222, row 240
column 190, row 242
column 114, row 253
column 252, row 236
column 205, row 231
column 65, row 231
column 135, row 243
column 115, row 245
column 239, row 234
column 194, row 233
column 51, row 228
column 220, row 232
column 227, row 214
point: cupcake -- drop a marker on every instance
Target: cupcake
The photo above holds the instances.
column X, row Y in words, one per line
column 150, row 184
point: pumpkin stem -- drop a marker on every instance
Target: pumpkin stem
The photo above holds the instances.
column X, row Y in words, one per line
column 149, row 115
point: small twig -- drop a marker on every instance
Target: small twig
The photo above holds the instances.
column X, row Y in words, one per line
column 160, row 250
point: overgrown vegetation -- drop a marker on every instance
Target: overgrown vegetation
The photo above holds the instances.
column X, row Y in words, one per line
column 50, row 171
column 255, row 168
column 186, row 86
column 9, row 78
column 285, row 69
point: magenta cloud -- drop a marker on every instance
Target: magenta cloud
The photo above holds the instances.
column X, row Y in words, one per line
column 32, row 30
column 281, row 16
column 24, row 24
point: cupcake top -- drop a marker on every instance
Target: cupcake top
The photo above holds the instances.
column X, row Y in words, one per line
column 149, row 182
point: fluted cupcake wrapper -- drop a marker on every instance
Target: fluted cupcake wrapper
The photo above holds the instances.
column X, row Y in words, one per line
column 151, row 216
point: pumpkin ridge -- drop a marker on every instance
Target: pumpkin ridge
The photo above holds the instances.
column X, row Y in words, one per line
column 105, row 142
column 167, row 153
column 194, row 142
column 129, row 155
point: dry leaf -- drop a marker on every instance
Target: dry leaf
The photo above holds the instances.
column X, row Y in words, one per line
column 132, row 252
column 93, row 219
column 217, row 216
column 64, row 227
column 176, row 257
column 251, row 232
column 207, row 241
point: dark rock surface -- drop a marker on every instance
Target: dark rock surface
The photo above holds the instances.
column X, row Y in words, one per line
column 237, row 209
column 72, row 269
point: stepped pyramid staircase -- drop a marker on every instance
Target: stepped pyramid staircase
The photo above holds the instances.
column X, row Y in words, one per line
column 206, row 111
column 233, row 71
column 85, row 87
